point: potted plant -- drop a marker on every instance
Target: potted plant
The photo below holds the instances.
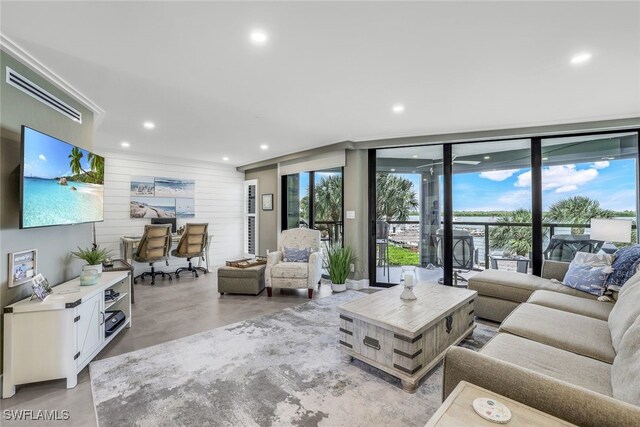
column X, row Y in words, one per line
column 339, row 260
column 94, row 257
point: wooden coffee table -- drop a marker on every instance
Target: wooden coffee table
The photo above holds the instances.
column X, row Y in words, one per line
column 406, row 338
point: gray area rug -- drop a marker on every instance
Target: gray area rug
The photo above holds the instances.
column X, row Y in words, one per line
column 275, row 370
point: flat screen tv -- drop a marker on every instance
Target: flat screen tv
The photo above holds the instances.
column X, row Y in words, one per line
column 61, row 184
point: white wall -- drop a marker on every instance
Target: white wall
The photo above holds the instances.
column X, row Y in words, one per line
column 219, row 194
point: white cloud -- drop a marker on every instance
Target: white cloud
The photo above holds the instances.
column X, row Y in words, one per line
column 42, row 157
column 562, row 179
column 600, row 165
column 498, row 175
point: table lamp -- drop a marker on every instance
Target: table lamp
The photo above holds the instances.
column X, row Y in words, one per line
column 611, row 230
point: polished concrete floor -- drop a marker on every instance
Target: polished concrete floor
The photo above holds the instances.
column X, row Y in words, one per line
column 164, row 312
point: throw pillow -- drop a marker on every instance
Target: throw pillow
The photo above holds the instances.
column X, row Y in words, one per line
column 296, row 255
column 625, row 265
column 588, row 272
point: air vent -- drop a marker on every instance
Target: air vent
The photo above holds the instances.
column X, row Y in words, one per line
column 32, row 89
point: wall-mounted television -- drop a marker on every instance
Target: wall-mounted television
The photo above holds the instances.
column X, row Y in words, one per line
column 60, row 184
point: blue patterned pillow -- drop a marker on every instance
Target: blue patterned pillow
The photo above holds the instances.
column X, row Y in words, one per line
column 296, row 255
column 624, row 266
column 588, row 272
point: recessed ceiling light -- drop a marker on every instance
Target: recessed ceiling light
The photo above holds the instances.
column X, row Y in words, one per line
column 125, row 144
column 608, row 158
column 415, row 156
column 398, row 108
column 487, row 157
column 225, row 158
column 580, row 58
column 264, row 147
column 545, row 158
column 393, row 170
column 149, row 125
column 259, row 37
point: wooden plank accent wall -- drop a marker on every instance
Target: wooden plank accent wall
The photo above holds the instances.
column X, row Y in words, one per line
column 219, row 201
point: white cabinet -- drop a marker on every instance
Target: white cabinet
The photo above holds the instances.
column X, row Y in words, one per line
column 58, row 337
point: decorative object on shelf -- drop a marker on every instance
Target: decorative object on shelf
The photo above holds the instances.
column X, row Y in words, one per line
column 22, row 267
column 41, row 288
column 94, row 258
column 339, row 260
column 267, row 202
column 492, row 410
column 89, row 277
column 409, row 280
column 180, row 231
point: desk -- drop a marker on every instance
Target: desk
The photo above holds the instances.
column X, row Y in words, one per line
column 522, row 265
column 122, row 265
column 129, row 243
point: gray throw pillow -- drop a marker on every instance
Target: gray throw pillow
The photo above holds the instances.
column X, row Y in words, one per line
column 296, row 255
column 588, row 272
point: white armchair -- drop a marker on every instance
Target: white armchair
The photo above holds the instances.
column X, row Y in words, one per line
column 296, row 275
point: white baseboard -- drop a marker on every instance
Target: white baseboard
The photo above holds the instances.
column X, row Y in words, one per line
column 357, row 284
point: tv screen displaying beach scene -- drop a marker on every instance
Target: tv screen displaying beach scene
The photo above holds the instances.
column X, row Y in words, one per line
column 61, row 183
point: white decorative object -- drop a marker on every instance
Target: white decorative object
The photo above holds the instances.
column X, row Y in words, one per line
column 611, row 230
column 409, row 279
column 492, row 410
column 96, row 267
column 338, row 287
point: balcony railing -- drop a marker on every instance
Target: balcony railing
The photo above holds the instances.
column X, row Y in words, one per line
column 485, row 227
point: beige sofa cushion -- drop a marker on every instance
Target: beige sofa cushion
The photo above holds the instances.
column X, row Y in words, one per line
column 625, row 372
column 517, row 287
column 290, row 270
column 584, row 306
column 625, row 311
column 567, row 331
column 559, row 364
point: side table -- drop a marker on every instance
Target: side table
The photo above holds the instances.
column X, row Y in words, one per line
column 522, row 263
column 122, row 265
column 458, row 410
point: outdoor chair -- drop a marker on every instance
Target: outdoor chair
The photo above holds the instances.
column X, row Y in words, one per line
column 382, row 245
column 465, row 255
column 563, row 247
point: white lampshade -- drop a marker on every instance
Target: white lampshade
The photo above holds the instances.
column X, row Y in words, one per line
column 611, row 230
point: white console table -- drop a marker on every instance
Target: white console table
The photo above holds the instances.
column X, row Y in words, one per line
column 58, row 337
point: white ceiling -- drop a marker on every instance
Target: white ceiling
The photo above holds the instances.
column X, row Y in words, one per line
column 331, row 71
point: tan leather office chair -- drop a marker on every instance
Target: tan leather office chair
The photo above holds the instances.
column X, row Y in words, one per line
column 154, row 246
column 193, row 243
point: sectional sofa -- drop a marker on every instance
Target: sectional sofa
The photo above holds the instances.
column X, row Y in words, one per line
column 568, row 355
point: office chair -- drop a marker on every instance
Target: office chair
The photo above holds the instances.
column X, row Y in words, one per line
column 193, row 243
column 154, row 246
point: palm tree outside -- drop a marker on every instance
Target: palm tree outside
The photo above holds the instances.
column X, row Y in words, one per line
column 396, row 197
column 576, row 210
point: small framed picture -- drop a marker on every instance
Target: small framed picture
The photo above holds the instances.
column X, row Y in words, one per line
column 22, row 267
column 41, row 288
column 267, row 202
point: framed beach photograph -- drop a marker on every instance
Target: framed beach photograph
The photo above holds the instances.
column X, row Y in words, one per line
column 22, row 267
column 152, row 207
column 267, row 202
column 143, row 186
column 172, row 187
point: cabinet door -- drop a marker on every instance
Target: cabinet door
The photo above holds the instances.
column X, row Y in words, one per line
column 89, row 333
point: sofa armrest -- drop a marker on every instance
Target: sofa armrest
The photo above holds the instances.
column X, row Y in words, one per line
column 272, row 259
column 315, row 270
column 558, row 398
column 554, row 269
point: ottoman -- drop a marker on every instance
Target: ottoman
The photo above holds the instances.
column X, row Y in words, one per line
column 241, row 280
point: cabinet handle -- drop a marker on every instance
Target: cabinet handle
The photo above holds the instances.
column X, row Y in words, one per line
column 102, row 314
column 371, row 342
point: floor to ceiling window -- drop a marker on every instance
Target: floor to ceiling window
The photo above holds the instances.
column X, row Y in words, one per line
column 585, row 177
column 491, row 207
column 314, row 200
column 507, row 204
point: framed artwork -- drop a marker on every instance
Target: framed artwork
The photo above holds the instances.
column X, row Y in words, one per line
column 23, row 267
column 41, row 288
column 267, row 202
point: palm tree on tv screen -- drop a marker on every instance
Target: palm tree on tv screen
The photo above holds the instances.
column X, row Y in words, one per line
column 96, row 164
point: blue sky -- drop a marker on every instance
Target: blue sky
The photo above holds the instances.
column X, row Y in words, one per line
column 47, row 157
column 612, row 183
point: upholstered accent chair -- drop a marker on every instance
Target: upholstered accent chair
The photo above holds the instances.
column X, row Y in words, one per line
column 154, row 246
column 295, row 275
column 193, row 243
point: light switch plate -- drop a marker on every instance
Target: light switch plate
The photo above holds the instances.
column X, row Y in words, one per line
column 351, row 214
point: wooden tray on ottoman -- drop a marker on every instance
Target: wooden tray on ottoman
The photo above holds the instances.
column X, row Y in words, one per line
column 406, row 338
column 247, row 262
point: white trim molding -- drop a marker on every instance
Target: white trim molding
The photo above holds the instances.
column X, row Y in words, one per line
column 13, row 49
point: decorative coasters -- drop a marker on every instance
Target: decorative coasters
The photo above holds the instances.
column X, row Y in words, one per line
column 492, row 410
